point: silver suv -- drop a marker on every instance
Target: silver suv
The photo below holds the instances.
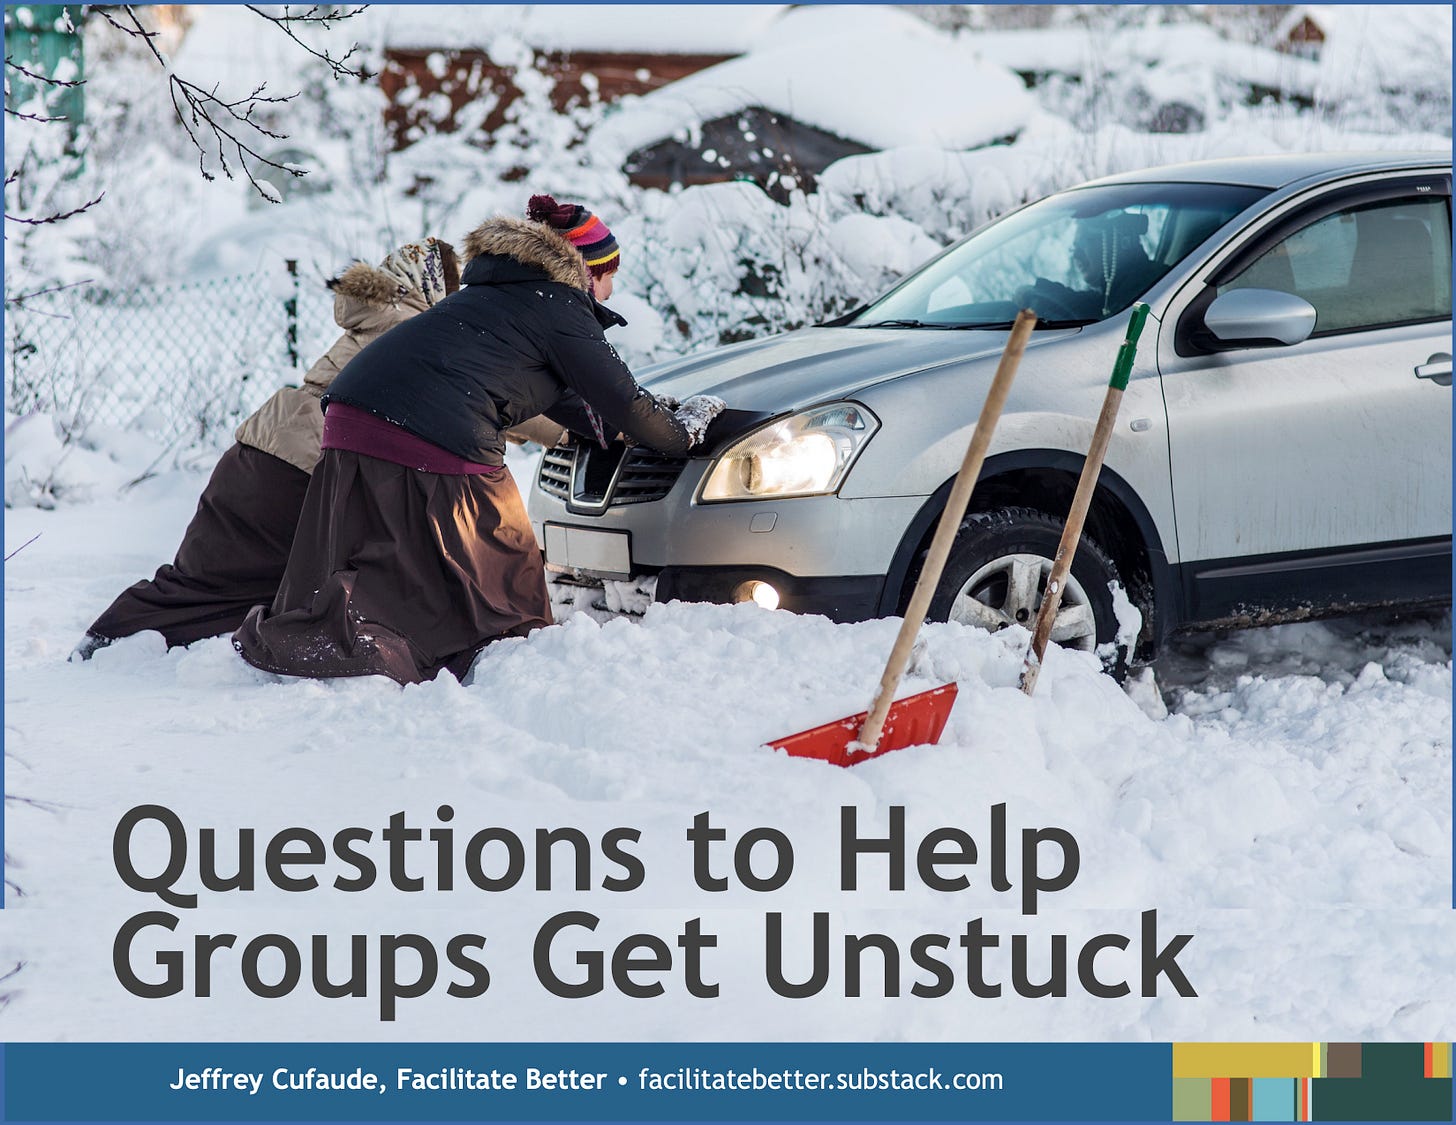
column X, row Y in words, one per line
column 1283, row 449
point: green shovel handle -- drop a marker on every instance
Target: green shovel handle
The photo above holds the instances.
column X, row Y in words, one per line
column 1128, row 352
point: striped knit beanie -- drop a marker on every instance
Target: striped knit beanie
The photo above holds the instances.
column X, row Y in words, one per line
column 580, row 228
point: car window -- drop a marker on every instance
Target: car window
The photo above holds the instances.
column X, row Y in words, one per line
column 1075, row 257
column 1366, row 267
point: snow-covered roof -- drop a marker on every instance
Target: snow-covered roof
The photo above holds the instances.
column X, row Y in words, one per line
column 706, row 29
column 869, row 74
column 1296, row 15
column 231, row 46
column 1171, row 48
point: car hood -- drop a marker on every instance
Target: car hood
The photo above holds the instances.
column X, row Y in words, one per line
column 813, row 365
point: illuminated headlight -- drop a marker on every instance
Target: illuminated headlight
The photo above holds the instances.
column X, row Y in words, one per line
column 804, row 455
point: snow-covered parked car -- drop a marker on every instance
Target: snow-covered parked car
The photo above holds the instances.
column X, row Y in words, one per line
column 1283, row 448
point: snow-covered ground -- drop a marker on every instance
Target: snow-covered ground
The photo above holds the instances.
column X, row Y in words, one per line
column 1285, row 798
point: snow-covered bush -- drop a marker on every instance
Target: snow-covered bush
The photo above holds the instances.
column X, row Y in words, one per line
column 45, row 463
column 724, row 262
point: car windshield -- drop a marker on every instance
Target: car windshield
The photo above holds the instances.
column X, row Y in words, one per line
column 1074, row 258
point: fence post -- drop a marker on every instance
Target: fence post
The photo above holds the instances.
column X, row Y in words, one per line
column 290, row 311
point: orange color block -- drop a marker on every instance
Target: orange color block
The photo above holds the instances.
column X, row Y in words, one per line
column 1219, row 1106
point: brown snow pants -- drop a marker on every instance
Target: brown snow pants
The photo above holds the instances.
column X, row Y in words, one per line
column 400, row 573
column 232, row 555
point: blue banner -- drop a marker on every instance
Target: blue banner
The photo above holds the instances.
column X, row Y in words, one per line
column 102, row 1082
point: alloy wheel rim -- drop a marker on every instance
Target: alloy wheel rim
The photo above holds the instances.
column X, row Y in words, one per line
column 1007, row 591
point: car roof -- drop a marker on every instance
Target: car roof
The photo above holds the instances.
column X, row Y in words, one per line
column 1280, row 171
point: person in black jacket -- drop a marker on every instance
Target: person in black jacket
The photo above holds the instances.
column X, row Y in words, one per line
column 413, row 550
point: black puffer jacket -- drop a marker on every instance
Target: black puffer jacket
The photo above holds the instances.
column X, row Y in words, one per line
column 516, row 341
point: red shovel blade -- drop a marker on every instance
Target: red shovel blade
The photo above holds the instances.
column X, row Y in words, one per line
column 916, row 720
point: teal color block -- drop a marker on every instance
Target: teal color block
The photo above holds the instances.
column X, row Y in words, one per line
column 1360, row 1099
column 1393, row 1062
column 1275, row 1099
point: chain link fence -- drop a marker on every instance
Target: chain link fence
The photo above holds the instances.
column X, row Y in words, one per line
column 183, row 363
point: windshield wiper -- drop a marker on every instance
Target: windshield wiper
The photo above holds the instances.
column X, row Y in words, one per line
column 978, row 325
column 903, row 324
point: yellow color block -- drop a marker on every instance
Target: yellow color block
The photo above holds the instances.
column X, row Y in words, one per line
column 1441, row 1060
column 1246, row 1060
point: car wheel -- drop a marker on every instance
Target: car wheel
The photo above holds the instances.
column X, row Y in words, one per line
column 996, row 574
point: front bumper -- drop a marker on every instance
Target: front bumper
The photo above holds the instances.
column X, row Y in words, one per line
column 823, row 554
column 848, row 598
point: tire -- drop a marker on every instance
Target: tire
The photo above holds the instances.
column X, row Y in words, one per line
column 997, row 570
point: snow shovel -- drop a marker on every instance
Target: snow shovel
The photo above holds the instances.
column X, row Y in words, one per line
column 1051, row 599
column 892, row 724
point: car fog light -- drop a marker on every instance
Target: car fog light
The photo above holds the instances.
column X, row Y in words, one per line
column 760, row 593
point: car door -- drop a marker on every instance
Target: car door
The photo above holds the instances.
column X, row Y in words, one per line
column 1319, row 474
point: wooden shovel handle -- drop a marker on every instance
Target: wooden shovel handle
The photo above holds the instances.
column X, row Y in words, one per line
column 1081, row 501
column 1056, row 581
column 945, row 532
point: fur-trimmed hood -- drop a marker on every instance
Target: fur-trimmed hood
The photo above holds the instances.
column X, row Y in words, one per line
column 366, row 299
column 369, row 284
column 531, row 244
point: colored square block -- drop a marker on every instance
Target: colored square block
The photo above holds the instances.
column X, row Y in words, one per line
column 1192, row 1099
column 1393, row 1062
column 1249, row 1060
column 1342, row 1060
column 1275, row 1099
column 1241, row 1099
column 1361, row 1099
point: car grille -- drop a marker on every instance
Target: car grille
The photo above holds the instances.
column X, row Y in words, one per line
column 609, row 477
column 555, row 475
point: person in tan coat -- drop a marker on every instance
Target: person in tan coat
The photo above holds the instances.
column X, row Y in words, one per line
column 234, row 551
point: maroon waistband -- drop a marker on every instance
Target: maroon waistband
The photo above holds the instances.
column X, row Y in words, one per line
column 358, row 431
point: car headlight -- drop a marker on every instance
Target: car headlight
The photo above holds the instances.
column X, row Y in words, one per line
column 803, row 455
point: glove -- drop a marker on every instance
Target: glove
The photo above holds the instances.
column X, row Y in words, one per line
column 696, row 413
column 672, row 402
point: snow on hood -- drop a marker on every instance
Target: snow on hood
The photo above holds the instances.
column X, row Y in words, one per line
column 869, row 74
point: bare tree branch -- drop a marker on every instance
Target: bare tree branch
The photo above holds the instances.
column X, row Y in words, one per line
column 321, row 16
column 13, row 65
column 33, row 116
column 9, row 218
column 22, row 547
column 225, row 132
column 42, row 292
column 136, row 32
column 216, row 126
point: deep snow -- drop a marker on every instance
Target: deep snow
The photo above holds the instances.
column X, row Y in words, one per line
column 1289, row 807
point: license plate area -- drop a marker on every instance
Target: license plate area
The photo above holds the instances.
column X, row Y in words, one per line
column 601, row 554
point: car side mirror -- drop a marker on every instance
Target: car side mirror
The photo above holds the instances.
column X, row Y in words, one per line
column 1248, row 318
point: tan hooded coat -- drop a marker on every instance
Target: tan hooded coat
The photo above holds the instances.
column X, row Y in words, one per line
column 367, row 303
